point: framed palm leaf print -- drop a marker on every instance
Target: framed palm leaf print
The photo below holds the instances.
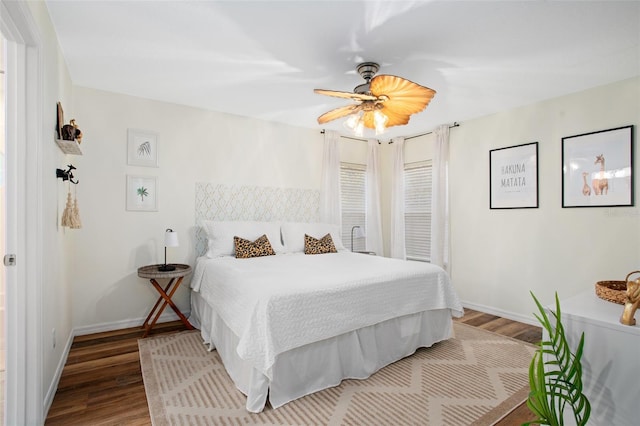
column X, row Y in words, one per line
column 142, row 193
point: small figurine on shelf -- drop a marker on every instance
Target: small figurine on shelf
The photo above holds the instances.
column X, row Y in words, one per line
column 78, row 132
column 68, row 132
column 71, row 132
column 632, row 301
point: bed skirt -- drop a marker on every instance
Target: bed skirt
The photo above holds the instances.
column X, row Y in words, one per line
column 324, row 364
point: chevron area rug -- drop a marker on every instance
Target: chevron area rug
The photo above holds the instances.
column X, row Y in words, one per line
column 475, row 378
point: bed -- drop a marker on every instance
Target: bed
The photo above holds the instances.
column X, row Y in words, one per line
column 289, row 324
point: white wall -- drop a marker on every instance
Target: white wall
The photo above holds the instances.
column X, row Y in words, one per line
column 56, row 303
column 194, row 146
column 353, row 150
column 498, row 256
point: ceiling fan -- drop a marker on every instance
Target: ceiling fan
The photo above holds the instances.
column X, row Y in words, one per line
column 383, row 101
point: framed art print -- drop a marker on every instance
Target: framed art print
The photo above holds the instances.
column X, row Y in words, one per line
column 597, row 169
column 142, row 193
column 514, row 177
column 142, row 148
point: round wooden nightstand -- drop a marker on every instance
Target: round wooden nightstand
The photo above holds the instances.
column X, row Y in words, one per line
column 175, row 277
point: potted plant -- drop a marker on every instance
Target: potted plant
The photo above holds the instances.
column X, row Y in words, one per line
column 555, row 375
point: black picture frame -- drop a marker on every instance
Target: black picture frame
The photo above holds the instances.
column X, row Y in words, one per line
column 597, row 169
column 513, row 177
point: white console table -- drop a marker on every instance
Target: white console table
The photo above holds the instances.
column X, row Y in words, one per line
column 611, row 359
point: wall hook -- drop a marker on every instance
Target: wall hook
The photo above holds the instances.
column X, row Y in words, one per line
column 67, row 174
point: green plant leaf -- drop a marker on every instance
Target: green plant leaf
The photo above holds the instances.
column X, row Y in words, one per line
column 555, row 374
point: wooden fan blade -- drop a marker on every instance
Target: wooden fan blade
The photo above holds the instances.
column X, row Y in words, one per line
column 404, row 97
column 396, row 118
column 347, row 95
column 338, row 113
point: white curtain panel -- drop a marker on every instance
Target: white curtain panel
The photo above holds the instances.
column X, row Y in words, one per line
column 398, row 249
column 374, row 221
column 330, row 190
column 440, row 199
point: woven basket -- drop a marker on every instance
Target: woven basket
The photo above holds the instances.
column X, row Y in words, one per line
column 613, row 291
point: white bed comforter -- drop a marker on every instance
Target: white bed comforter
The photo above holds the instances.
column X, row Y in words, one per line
column 277, row 303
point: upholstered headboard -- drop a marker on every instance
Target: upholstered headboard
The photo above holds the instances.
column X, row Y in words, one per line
column 225, row 202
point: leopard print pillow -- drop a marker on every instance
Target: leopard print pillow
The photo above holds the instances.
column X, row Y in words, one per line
column 321, row 246
column 246, row 249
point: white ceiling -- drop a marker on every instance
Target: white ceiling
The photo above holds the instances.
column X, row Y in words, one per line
column 263, row 59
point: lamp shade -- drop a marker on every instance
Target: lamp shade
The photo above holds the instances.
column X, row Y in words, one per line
column 170, row 238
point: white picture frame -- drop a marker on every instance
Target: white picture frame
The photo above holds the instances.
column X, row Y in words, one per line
column 514, row 177
column 142, row 148
column 142, row 193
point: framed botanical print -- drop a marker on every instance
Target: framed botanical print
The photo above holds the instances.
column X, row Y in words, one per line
column 142, row 193
column 142, row 148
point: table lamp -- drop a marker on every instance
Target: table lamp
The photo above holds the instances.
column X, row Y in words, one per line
column 170, row 240
column 359, row 234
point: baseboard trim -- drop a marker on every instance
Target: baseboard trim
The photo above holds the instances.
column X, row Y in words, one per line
column 128, row 323
column 53, row 387
column 531, row 320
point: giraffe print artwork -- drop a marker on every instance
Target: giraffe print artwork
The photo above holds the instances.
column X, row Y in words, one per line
column 586, row 189
column 600, row 183
column 597, row 169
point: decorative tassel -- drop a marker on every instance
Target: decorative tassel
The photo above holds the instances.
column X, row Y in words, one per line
column 75, row 216
column 68, row 211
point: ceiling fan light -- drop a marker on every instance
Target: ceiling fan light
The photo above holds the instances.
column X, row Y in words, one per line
column 352, row 122
column 355, row 123
column 380, row 121
column 359, row 130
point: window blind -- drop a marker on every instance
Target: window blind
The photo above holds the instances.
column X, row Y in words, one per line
column 353, row 204
column 417, row 208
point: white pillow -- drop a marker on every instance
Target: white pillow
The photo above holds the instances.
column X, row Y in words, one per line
column 220, row 235
column 293, row 235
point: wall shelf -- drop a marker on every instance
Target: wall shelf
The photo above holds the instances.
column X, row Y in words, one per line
column 69, row 147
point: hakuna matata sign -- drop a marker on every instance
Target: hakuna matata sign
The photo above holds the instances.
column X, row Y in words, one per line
column 514, row 177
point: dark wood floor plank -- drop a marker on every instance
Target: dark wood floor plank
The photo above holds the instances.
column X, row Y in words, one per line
column 529, row 335
column 478, row 318
column 101, row 383
column 107, row 361
column 101, row 350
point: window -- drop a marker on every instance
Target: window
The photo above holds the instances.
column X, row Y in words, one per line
column 352, row 192
column 417, row 210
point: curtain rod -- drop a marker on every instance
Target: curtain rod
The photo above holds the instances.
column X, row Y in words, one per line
column 455, row 124
column 348, row 137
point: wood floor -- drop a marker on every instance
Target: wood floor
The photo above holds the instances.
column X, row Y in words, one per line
column 101, row 383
